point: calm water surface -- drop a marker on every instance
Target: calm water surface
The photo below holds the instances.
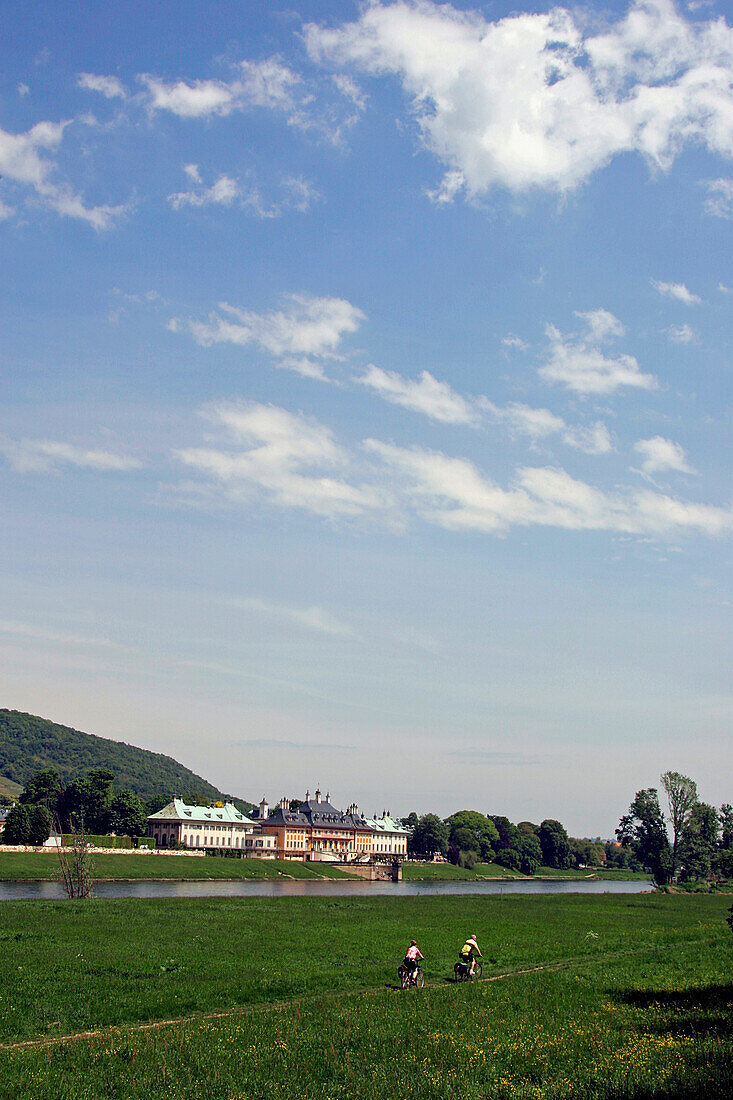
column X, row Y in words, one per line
column 52, row 891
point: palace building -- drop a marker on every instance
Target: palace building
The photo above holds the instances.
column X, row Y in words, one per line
column 389, row 837
column 205, row 827
column 316, row 830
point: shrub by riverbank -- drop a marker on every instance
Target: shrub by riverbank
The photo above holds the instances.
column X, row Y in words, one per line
column 633, row 1001
column 414, row 871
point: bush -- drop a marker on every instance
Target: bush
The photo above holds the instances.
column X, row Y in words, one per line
column 468, row 860
column 507, row 857
column 97, row 841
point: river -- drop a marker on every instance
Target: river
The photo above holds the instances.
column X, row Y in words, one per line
column 289, row 888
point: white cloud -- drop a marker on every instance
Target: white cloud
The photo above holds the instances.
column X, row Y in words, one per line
column 538, row 99
column 537, row 423
column 24, row 160
column 594, row 440
column 678, row 291
column 662, row 454
column 681, row 334
column 109, row 86
column 269, row 84
column 511, row 341
column 719, row 202
column 452, row 493
column 294, row 194
column 578, row 362
column 281, row 457
column 425, row 395
column 312, row 618
column 5, row 211
column 44, row 456
column 23, row 90
column 306, row 330
column 223, row 193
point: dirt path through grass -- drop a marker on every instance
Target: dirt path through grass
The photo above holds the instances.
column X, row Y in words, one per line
column 276, row 1006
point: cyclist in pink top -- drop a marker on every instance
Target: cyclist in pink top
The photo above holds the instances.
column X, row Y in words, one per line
column 412, row 955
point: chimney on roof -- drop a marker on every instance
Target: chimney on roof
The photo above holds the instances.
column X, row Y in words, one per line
column 318, row 796
column 307, row 796
column 264, row 808
column 328, row 796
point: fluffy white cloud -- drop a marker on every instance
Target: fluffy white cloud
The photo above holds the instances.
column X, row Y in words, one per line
column 222, row 192
column 662, row 454
column 25, row 160
column 719, row 202
column 536, row 423
column 678, row 291
column 45, row 455
column 681, row 334
column 594, row 440
column 425, row 395
column 294, row 194
column 307, row 330
column 578, row 361
column 282, row 457
column 454, row 494
column 539, row 100
column 268, row 83
column 312, row 618
column 109, row 86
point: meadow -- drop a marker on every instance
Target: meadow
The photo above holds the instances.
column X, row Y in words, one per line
column 583, row 996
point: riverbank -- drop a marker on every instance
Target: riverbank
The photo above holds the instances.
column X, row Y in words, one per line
column 605, row 996
column 44, row 867
column 116, row 867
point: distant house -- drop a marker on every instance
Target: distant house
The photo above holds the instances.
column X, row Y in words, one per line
column 201, row 826
column 3, row 818
column 316, row 830
column 389, row 837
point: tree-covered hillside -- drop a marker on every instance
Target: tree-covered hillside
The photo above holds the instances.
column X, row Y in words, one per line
column 28, row 744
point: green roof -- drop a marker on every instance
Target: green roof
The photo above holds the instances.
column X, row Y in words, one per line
column 179, row 811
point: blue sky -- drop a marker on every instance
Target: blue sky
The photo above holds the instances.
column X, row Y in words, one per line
column 365, row 394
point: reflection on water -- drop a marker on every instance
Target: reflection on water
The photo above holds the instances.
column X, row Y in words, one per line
column 52, row 891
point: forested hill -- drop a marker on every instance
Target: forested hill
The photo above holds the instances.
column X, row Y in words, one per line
column 28, row 744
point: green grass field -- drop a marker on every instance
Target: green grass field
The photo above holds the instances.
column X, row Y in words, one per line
column 291, row 997
column 44, row 867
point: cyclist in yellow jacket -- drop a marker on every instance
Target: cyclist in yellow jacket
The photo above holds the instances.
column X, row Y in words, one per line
column 469, row 953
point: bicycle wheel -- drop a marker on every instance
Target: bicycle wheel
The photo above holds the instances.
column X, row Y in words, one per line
column 419, row 979
column 459, row 972
column 478, row 969
column 402, row 976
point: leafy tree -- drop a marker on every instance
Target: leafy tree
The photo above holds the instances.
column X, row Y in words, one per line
column 429, row 836
column 101, row 793
column 126, row 816
column 555, row 844
column 155, row 803
column 528, row 827
column 699, row 842
column 410, row 821
column 43, row 789
column 75, row 801
column 17, row 825
column 726, row 825
column 642, row 830
column 472, row 831
column 682, row 796
column 508, row 833
column 530, row 854
column 508, row 857
column 39, row 824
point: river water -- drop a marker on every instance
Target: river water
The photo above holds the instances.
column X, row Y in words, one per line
column 53, row 891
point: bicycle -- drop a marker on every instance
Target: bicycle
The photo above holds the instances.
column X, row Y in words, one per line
column 407, row 979
column 461, row 971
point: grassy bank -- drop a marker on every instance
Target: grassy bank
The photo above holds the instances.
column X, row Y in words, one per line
column 447, row 872
column 44, row 867
column 635, row 999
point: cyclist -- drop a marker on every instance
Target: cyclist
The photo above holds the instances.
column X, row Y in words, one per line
column 469, row 953
column 412, row 955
